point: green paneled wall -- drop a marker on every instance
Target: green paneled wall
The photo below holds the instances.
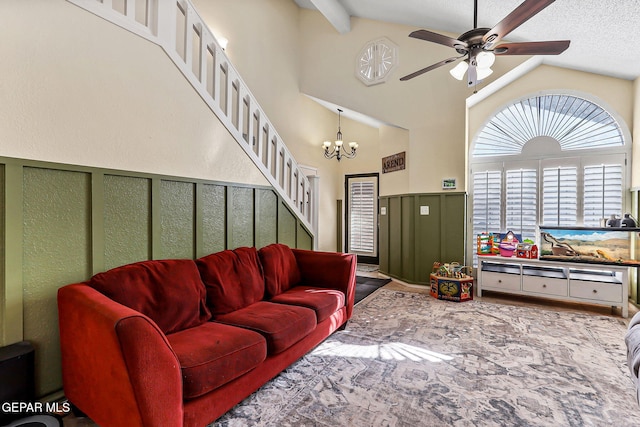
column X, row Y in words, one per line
column 60, row 224
column 127, row 220
column 383, row 234
column 303, row 239
column 266, row 219
column 56, row 250
column 241, row 213
column 410, row 242
column 2, row 258
column 287, row 228
column 395, row 236
column 177, row 220
column 213, row 201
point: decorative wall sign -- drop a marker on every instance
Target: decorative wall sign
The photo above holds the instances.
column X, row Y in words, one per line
column 449, row 184
column 393, row 163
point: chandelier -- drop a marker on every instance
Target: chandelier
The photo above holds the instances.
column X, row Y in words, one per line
column 338, row 151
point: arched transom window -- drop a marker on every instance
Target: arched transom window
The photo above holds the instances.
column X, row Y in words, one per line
column 575, row 123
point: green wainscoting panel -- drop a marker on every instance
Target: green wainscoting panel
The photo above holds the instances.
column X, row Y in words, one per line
column 395, row 237
column 177, row 222
column 407, row 239
column 266, row 217
column 214, row 227
column 428, row 235
column 418, row 230
column 56, row 250
column 453, row 229
column 60, row 224
column 286, row 226
column 303, row 238
column 11, row 295
column 383, row 234
column 127, row 220
column 240, row 217
column 2, row 258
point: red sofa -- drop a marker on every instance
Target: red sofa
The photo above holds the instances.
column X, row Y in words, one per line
column 180, row 342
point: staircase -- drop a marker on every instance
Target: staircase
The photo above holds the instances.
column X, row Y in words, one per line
column 176, row 26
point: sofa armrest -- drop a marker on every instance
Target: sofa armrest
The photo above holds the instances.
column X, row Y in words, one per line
column 332, row 270
column 117, row 366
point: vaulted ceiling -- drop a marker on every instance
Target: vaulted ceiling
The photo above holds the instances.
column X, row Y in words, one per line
column 602, row 32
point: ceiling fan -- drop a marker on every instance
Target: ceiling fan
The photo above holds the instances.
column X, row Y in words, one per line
column 479, row 45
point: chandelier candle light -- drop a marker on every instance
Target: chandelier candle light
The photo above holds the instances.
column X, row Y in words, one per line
column 338, row 150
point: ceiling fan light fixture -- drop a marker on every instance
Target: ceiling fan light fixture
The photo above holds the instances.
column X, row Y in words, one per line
column 458, row 71
column 483, row 73
column 485, row 59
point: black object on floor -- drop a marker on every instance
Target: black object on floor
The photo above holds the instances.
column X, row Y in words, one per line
column 366, row 285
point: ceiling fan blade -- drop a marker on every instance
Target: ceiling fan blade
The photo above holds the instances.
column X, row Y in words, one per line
column 438, row 38
column 517, row 17
column 533, row 48
column 430, row 67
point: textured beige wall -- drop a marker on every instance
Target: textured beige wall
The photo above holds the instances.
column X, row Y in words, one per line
column 90, row 93
column 430, row 107
column 394, row 140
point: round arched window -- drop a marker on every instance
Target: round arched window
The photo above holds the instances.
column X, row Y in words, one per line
column 574, row 122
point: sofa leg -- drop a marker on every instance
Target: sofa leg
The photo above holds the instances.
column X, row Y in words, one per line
column 343, row 327
column 77, row 412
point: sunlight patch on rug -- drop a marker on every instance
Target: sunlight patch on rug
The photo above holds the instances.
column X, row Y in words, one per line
column 387, row 351
column 497, row 365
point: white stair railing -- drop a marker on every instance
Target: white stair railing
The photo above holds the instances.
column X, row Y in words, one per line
column 176, row 26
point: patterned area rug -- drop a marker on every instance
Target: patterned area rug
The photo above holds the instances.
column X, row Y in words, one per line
column 407, row 359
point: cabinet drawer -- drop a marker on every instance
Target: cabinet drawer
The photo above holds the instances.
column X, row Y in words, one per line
column 493, row 280
column 545, row 285
column 595, row 290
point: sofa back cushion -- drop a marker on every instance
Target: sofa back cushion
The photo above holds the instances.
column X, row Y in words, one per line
column 233, row 279
column 170, row 292
column 280, row 268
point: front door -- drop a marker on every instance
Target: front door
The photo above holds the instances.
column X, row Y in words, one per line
column 361, row 194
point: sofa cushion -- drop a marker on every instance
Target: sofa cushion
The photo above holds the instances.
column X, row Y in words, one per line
column 233, row 279
column 280, row 269
column 324, row 302
column 282, row 325
column 213, row 354
column 170, row 292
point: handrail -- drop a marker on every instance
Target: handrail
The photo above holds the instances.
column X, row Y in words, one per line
column 176, row 26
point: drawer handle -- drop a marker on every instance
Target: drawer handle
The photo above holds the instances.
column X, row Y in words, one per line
column 544, row 285
column 499, row 280
column 595, row 291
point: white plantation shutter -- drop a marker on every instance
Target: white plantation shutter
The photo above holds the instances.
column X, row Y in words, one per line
column 487, row 200
column 362, row 213
column 602, row 192
column 560, row 196
column 487, row 188
column 521, row 202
